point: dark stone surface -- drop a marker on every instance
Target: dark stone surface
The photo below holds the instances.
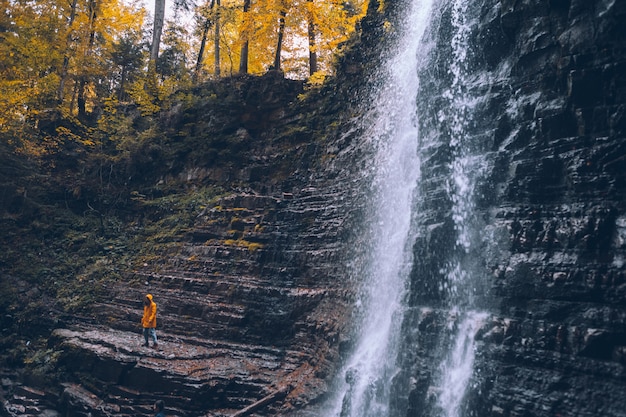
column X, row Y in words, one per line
column 551, row 210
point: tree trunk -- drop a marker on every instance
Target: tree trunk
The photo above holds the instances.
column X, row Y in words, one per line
column 268, row 399
column 279, row 43
column 66, row 58
column 245, row 45
column 81, row 101
column 120, row 94
column 159, row 19
column 312, row 47
column 205, row 34
column 217, row 38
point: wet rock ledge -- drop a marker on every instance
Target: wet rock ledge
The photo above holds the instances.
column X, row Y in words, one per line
column 239, row 323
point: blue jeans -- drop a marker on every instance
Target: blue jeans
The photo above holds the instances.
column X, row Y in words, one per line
column 149, row 332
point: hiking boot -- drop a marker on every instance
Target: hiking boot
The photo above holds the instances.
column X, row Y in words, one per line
column 145, row 344
column 155, row 346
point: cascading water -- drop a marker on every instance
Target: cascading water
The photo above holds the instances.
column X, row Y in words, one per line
column 371, row 368
column 368, row 372
column 466, row 167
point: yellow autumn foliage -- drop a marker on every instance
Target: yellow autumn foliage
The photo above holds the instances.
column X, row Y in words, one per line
column 72, row 57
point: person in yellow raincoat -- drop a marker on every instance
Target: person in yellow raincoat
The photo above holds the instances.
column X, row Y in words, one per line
column 148, row 321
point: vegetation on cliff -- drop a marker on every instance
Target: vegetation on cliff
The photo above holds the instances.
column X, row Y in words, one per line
column 83, row 213
column 121, row 194
column 80, row 59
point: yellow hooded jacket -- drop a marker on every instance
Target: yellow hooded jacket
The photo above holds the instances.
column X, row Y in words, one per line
column 149, row 314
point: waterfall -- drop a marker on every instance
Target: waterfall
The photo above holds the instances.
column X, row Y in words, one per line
column 402, row 149
column 364, row 389
column 463, row 278
column 457, row 370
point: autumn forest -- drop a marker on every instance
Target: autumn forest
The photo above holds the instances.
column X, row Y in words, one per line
column 81, row 60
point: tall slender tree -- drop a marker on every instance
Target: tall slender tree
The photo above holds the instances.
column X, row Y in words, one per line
column 66, row 57
column 216, row 25
column 92, row 14
column 281, row 34
column 157, row 29
column 311, row 36
column 245, row 38
column 204, row 18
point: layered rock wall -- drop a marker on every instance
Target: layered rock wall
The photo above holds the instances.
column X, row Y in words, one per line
column 549, row 80
column 254, row 295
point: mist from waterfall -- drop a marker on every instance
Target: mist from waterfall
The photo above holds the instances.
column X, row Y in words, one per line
column 367, row 375
column 462, row 278
column 458, row 367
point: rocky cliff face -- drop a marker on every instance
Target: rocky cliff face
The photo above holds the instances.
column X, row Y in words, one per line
column 255, row 296
column 549, row 82
column 253, row 299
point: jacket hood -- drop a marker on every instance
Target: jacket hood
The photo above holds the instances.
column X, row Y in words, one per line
column 149, row 297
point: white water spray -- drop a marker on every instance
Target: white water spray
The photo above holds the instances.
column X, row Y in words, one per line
column 462, row 185
column 368, row 373
column 372, row 366
column 457, row 369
